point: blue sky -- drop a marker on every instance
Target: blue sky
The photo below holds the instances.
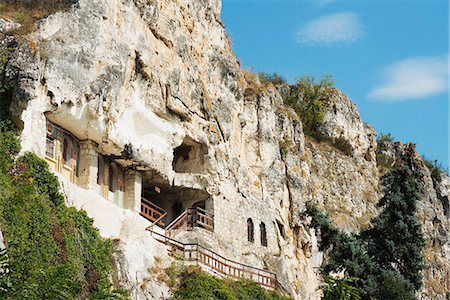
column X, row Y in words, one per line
column 389, row 57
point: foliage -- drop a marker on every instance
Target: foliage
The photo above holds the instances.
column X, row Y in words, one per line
column 5, row 55
column 5, row 94
column 340, row 288
column 393, row 285
column 5, row 273
column 387, row 257
column 172, row 272
column 385, row 137
column 195, row 284
column 54, row 252
column 9, row 146
column 348, row 250
column 436, row 168
column 274, row 78
column 308, row 98
column 395, row 240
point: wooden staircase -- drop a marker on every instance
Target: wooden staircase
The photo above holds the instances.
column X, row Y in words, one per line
column 216, row 264
column 194, row 253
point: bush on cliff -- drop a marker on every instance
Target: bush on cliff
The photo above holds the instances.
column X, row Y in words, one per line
column 53, row 252
column 308, row 97
column 274, row 78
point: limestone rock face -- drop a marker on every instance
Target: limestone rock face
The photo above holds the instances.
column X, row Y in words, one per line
column 140, row 78
column 344, row 126
column 8, row 26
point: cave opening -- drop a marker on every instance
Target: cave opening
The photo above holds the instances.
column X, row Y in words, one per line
column 190, row 157
column 173, row 200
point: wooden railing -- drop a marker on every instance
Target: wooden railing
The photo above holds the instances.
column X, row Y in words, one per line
column 192, row 217
column 218, row 264
column 202, row 218
column 177, row 225
column 152, row 212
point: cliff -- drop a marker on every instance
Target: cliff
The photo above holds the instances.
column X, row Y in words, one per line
column 155, row 86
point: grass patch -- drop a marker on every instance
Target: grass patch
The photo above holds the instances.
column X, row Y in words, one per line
column 27, row 12
column 274, row 78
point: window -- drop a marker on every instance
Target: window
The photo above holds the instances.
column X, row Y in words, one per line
column 250, row 230
column 62, row 151
column 67, row 151
column 110, row 177
column 50, row 147
column 101, row 170
column 120, row 181
column 262, row 228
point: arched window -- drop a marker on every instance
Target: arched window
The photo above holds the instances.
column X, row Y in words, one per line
column 250, row 230
column 262, row 228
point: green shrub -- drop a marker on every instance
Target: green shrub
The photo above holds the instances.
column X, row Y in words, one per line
column 340, row 289
column 5, row 55
column 54, row 252
column 436, row 168
column 393, row 285
column 5, row 94
column 33, row 168
column 385, row 137
column 248, row 290
column 9, row 146
column 172, row 272
column 194, row 284
column 5, row 272
column 197, row 285
column 308, row 97
column 274, row 78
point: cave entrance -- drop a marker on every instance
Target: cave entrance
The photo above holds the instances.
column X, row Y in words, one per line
column 161, row 198
column 190, row 157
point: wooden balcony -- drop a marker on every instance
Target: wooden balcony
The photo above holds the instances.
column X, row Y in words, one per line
column 192, row 217
column 153, row 212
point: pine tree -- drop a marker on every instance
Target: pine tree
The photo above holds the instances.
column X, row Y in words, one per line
column 395, row 240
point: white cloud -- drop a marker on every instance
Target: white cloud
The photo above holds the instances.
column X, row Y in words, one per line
column 332, row 29
column 413, row 78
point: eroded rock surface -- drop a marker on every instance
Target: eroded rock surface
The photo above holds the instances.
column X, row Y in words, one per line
column 142, row 78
